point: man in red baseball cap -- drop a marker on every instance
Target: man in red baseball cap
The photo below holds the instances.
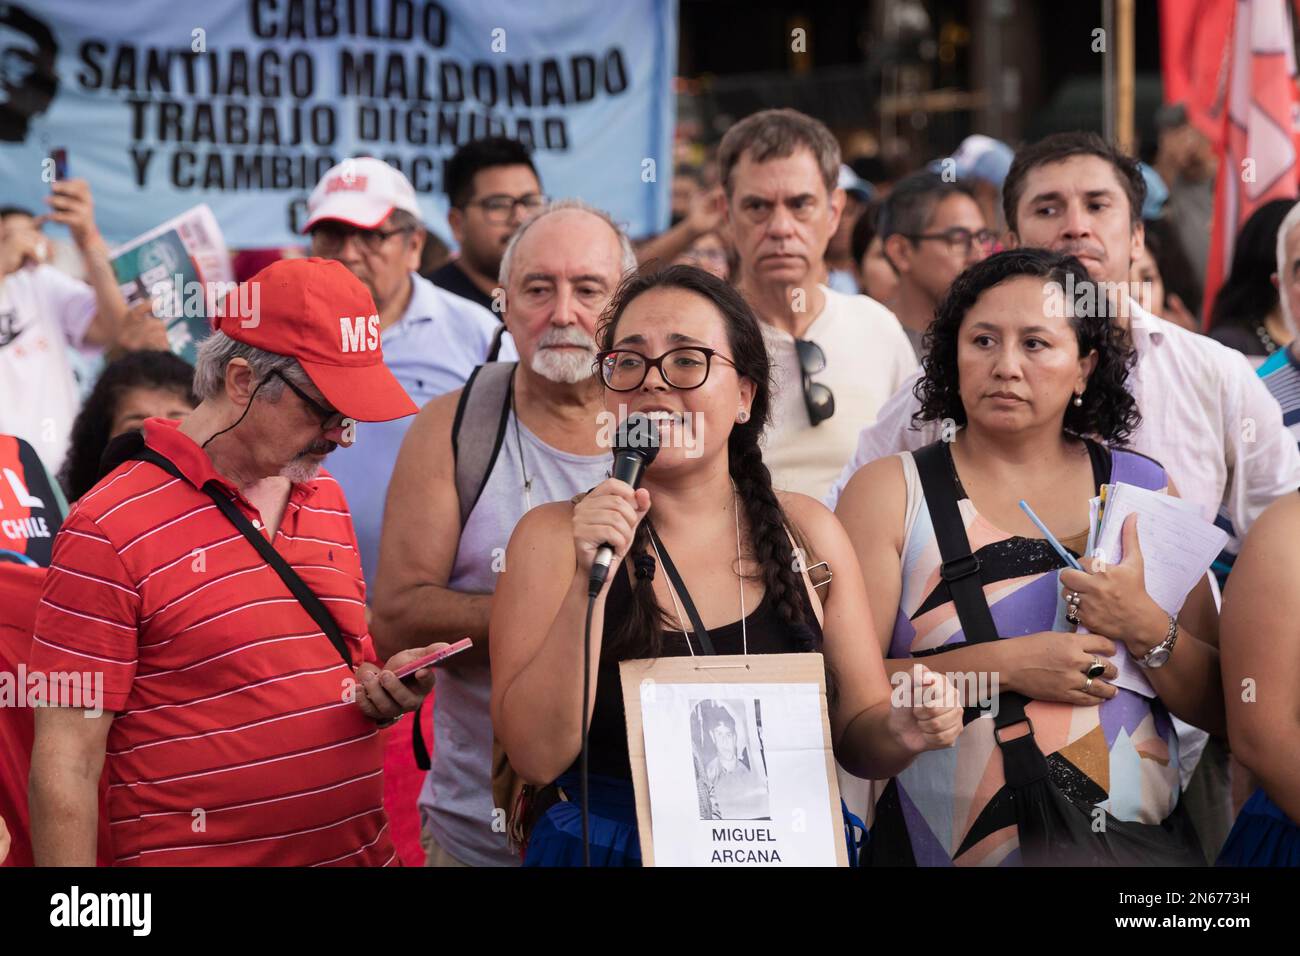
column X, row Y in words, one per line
column 209, row 595
column 317, row 312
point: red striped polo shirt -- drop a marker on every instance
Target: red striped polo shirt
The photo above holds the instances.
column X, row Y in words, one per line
column 235, row 742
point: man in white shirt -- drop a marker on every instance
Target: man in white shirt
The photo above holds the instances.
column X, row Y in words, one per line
column 44, row 314
column 1206, row 417
column 836, row 358
column 364, row 213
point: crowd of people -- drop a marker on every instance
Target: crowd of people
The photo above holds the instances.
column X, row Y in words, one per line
column 857, row 382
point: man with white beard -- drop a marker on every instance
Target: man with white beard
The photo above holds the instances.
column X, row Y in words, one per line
column 474, row 461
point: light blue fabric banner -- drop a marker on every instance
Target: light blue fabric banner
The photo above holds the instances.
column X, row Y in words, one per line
column 243, row 104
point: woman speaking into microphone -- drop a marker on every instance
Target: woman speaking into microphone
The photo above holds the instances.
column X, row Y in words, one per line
column 683, row 348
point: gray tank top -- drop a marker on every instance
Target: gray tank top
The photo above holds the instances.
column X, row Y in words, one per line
column 456, row 800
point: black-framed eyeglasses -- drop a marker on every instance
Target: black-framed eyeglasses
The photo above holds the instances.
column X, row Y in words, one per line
column 329, row 237
column 960, row 239
column 819, row 399
column 623, row 370
column 329, row 418
column 500, row 207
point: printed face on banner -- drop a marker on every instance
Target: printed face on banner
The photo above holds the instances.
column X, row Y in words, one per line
column 737, row 775
column 27, row 85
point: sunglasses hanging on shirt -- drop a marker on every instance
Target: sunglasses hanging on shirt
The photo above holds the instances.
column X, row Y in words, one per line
column 818, row 398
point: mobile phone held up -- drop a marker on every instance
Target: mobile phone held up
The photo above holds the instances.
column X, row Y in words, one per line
column 407, row 672
column 60, row 157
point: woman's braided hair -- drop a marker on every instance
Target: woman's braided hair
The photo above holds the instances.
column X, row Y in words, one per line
column 641, row 634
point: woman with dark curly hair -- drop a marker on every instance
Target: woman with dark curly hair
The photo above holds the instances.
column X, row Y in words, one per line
column 1026, row 381
column 137, row 386
column 683, row 347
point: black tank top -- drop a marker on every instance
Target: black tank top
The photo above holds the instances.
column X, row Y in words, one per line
column 768, row 634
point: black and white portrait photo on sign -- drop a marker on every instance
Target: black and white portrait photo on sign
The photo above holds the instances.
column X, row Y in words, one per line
column 730, row 766
column 731, row 761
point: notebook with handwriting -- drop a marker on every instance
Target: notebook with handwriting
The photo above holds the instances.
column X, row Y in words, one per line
column 1178, row 546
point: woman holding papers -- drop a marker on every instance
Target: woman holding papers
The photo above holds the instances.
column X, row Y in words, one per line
column 1021, row 359
column 683, row 347
column 1261, row 676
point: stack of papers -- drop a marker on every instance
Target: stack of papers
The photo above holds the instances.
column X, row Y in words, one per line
column 1178, row 546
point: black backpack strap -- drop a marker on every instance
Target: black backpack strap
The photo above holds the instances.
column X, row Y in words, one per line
column 306, row 597
column 961, row 569
column 479, row 429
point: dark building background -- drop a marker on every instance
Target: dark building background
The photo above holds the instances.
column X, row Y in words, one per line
column 908, row 79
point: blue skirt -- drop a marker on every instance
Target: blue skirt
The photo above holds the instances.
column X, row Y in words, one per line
column 1262, row 836
column 556, row 839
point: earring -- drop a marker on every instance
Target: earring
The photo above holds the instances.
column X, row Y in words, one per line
column 1078, row 401
column 742, row 416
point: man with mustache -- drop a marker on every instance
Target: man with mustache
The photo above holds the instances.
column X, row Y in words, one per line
column 534, row 428
column 364, row 213
column 1206, row 417
column 238, row 717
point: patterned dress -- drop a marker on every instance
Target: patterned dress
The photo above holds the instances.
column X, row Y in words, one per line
column 1121, row 756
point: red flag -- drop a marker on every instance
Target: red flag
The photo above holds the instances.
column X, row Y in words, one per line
column 1193, row 58
column 1257, row 139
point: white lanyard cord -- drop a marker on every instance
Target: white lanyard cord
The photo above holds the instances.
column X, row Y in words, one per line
column 672, row 592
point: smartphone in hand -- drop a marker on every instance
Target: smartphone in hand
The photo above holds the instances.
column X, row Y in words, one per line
column 407, row 672
column 60, row 157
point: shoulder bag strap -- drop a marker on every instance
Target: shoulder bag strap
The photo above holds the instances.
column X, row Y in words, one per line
column 475, row 443
column 675, row 580
column 419, row 749
column 310, row 602
column 960, row 568
column 814, row 599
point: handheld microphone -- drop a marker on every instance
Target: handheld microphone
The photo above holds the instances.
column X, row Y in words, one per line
column 635, row 447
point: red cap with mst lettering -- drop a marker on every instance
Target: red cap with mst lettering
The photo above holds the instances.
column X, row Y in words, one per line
column 316, row 311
